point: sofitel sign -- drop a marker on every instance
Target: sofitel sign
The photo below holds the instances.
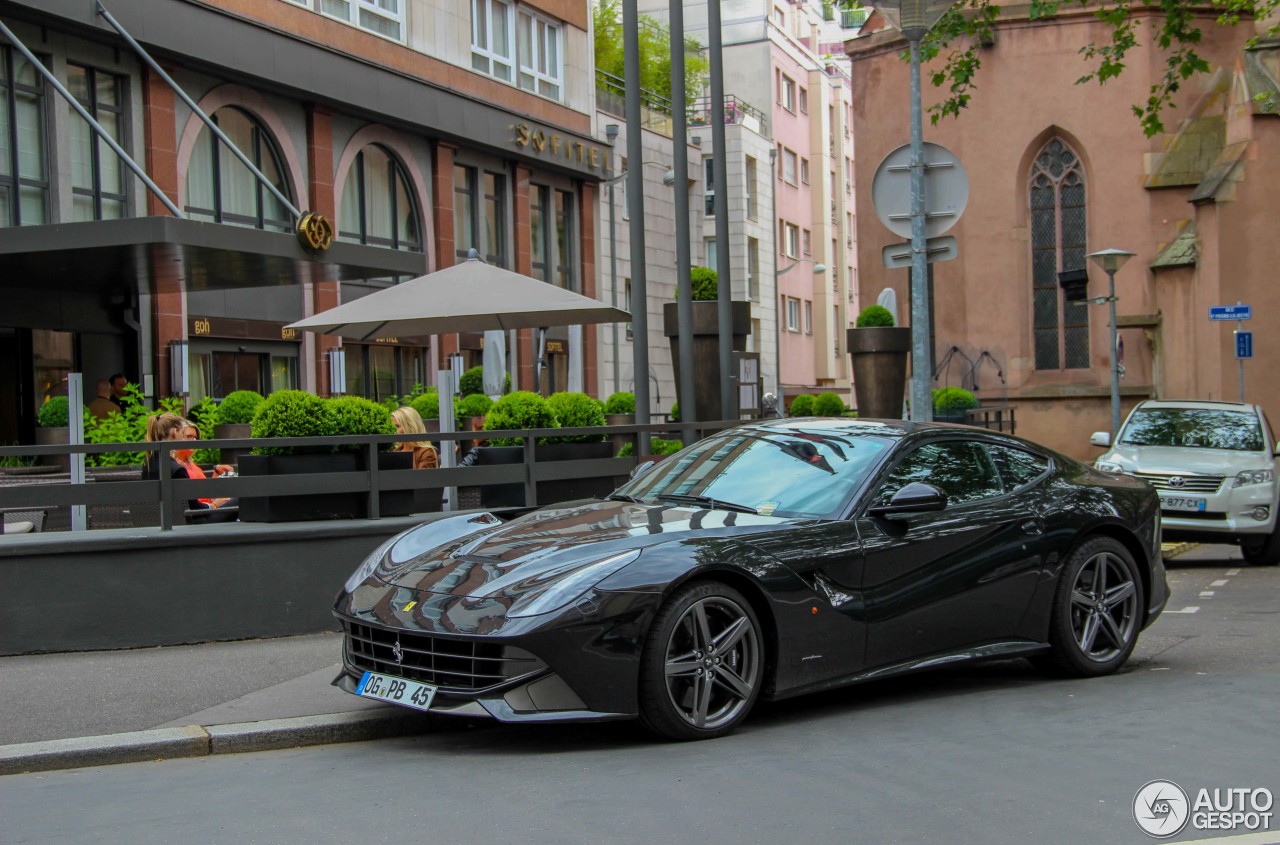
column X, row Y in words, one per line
column 555, row 144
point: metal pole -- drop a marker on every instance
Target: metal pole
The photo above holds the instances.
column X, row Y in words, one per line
column 777, row 293
column 208, row 121
column 635, row 206
column 1239, row 360
column 93, row 124
column 1115, row 362
column 921, row 398
column 684, row 262
column 75, row 405
column 728, row 399
column 613, row 282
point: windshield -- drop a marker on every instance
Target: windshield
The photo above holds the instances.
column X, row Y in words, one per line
column 782, row 473
column 1201, row 428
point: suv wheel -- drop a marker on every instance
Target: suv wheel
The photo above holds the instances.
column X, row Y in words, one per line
column 1262, row 551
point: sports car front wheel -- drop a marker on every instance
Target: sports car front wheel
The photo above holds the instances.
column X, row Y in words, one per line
column 1097, row 611
column 702, row 665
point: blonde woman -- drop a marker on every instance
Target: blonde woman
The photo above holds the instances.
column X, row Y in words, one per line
column 409, row 421
column 181, row 463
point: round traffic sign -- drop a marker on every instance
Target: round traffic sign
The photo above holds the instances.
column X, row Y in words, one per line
column 946, row 190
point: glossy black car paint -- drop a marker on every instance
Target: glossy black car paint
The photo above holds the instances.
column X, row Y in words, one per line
column 843, row 599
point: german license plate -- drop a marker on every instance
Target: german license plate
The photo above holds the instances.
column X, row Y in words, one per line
column 1181, row 503
column 400, row 691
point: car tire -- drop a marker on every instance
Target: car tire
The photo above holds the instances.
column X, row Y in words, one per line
column 1097, row 610
column 702, row 665
column 1265, row 551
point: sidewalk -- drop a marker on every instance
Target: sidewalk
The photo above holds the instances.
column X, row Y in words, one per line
column 94, row 708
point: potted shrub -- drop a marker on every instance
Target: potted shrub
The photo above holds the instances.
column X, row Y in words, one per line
column 521, row 409
column 295, row 413
column 233, row 417
column 577, row 410
column 802, row 406
column 828, row 405
column 472, row 382
column 880, row 350
column 706, row 339
column 950, row 404
column 620, row 409
column 53, row 428
column 470, row 411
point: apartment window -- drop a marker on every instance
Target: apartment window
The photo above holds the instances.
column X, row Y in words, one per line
column 848, row 175
column 709, row 244
column 789, row 166
column 753, row 269
column 709, row 184
column 793, row 313
column 479, row 214
column 780, row 17
column 493, row 39
column 626, row 288
column 787, row 94
column 808, row 317
column 806, row 242
column 751, row 188
column 221, row 189
column 804, row 100
column 97, row 177
column 791, row 240
column 551, row 234
column 381, row 17
column 539, row 47
column 804, row 170
column 24, row 180
column 835, row 325
column 377, row 204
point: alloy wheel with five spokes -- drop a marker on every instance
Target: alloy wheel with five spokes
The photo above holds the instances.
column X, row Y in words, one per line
column 1098, row 609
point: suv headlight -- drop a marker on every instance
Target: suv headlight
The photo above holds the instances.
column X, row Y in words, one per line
column 1252, row 476
column 1108, row 466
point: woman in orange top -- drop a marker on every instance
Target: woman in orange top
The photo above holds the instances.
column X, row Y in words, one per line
column 409, row 421
column 169, row 426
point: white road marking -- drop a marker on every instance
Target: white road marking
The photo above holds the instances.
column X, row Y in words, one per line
column 1193, row 609
column 1233, row 571
column 1221, row 582
column 1206, row 594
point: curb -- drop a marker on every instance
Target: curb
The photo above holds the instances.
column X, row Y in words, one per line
column 201, row 741
column 1171, row 550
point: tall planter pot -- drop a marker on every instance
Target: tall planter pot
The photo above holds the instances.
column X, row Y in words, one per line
column 880, row 369
column 233, row 431
column 58, row 436
column 706, row 349
column 317, row 506
column 617, row 441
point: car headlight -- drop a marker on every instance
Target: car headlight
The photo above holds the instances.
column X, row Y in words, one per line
column 1108, row 466
column 565, row 585
column 1252, row 476
column 365, row 569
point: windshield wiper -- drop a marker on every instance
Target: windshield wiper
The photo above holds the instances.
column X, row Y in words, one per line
column 714, row 504
column 623, row 497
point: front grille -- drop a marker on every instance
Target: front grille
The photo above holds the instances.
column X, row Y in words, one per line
column 445, row 662
column 1206, row 515
column 1190, row 483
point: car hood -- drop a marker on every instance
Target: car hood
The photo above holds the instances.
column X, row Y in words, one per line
column 507, row 560
column 1185, row 459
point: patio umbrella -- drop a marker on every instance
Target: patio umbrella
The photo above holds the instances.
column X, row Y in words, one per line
column 495, row 364
column 467, row 297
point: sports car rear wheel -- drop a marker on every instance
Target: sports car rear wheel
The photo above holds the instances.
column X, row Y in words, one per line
column 1097, row 611
column 702, row 665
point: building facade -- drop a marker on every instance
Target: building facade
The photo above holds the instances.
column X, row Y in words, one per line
column 1059, row 170
column 419, row 129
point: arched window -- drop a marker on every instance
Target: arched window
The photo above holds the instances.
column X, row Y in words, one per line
column 221, row 189
column 1057, row 198
column 377, row 205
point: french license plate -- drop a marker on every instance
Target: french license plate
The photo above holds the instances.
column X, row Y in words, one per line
column 1181, row 503
column 400, row 691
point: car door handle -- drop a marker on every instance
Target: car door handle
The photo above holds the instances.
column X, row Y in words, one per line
column 1032, row 526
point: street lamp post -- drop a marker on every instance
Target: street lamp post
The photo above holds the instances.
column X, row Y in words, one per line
column 611, row 132
column 914, row 19
column 1112, row 260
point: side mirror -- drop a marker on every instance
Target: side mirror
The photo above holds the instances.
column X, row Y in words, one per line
column 916, row 497
column 640, row 469
column 1101, row 438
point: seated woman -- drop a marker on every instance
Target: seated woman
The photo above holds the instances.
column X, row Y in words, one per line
column 168, row 426
column 409, row 421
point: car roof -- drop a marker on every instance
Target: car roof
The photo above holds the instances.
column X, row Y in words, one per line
column 853, row 426
column 1198, row 404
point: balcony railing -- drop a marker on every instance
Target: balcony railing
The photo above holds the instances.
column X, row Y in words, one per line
column 611, row 97
column 736, row 112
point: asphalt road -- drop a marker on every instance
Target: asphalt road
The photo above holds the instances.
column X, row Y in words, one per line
column 989, row 754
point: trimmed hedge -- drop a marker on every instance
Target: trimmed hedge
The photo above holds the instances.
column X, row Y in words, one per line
column 802, row 406
column 355, row 415
column 828, row 405
column 875, row 316
column 54, row 413
column 427, row 405
column 521, row 409
column 293, row 413
column 953, row 400
column 576, row 410
column 239, row 407
column 622, row 402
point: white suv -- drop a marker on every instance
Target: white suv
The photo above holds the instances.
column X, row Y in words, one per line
column 1214, row 466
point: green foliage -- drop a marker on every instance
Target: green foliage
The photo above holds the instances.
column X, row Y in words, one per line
column 802, row 406
column 427, row 405
column 129, row 426
column 969, row 24
column 675, row 412
column 206, row 415
column 355, row 415
column 17, row 460
column 657, row 446
column 54, row 413
column 875, row 316
column 953, row 400
column 622, row 402
column 521, row 409
column 239, row 407
column 655, row 52
column 704, row 283
column 577, row 410
column 475, row 405
column 828, row 405
column 392, row 401
column 472, row 382
column 293, row 413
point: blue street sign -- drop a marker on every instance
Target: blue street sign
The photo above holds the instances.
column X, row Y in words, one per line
column 1244, row 344
column 1230, row 312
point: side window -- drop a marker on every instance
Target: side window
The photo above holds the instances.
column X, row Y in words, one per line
column 1019, row 468
column 962, row 470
